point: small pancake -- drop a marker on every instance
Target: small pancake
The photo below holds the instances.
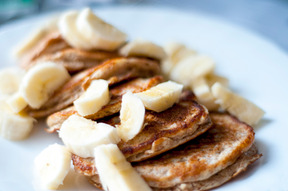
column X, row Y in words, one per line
column 114, row 71
column 50, row 43
column 55, row 120
column 75, row 60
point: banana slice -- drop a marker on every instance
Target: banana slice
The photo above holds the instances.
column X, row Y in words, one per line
column 41, row 81
column 30, row 42
column 192, row 67
column 11, row 78
column 213, row 78
column 14, row 127
column 162, row 96
column 131, row 116
column 203, row 93
column 69, row 31
column 112, row 165
column 98, row 33
column 176, row 52
column 52, row 165
column 82, row 135
column 17, row 102
column 236, row 105
column 94, row 98
column 143, row 48
column 34, row 37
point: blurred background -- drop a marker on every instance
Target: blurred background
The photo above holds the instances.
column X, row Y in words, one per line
column 269, row 18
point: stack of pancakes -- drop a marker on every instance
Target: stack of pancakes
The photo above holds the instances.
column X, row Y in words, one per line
column 182, row 148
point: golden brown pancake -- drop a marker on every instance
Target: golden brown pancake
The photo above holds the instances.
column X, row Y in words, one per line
column 166, row 130
column 51, row 43
column 113, row 70
column 203, row 163
column 75, row 60
column 55, row 120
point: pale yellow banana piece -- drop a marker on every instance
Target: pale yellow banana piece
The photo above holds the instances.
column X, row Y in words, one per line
column 14, row 127
column 10, row 80
column 98, row 33
column 17, row 102
column 162, row 96
column 40, row 82
column 236, row 105
column 93, row 99
column 143, row 48
column 51, row 166
column 115, row 172
column 132, row 115
column 82, row 135
column 213, row 78
column 203, row 93
column 192, row 67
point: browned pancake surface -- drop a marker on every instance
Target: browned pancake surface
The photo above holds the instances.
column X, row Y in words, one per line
column 75, row 60
column 114, row 71
column 203, row 163
column 55, row 120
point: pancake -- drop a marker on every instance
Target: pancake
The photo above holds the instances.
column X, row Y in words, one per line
column 50, row 43
column 75, row 60
column 55, row 120
column 165, row 130
column 203, row 163
column 113, row 70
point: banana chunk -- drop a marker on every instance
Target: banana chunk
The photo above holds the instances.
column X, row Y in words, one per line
column 10, row 80
column 175, row 53
column 132, row 115
column 17, row 102
column 98, row 33
column 236, row 105
column 143, row 48
column 41, row 81
column 203, row 93
column 192, row 67
column 82, row 135
column 115, row 172
column 162, row 96
column 213, row 78
column 69, row 31
column 94, row 98
column 52, row 165
column 14, row 127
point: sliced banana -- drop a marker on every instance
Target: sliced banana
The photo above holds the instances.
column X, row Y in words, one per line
column 203, row 93
column 82, row 135
column 236, row 105
column 69, row 31
column 10, row 80
column 143, row 48
column 176, row 52
column 94, row 98
column 192, row 67
column 100, row 34
column 17, row 102
column 162, row 96
column 41, row 81
column 115, row 172
column 14, row 127
column 52, row 165
column 132, row 115
column 213, row 78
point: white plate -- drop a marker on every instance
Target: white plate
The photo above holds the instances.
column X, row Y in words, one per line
column 256, row 68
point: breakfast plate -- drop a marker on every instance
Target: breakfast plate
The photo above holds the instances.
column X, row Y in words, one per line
column 257, row 69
